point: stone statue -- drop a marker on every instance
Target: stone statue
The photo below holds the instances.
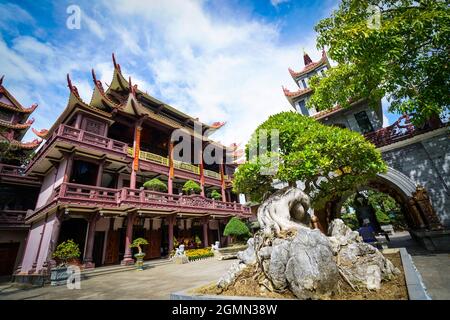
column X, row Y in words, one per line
column 285, row 209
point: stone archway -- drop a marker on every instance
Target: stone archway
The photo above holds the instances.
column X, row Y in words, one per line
column 413, row 199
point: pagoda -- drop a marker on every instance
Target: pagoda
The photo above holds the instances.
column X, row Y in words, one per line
column 359, row 117
column 14, row 123
column 93, row 168
column 18, row 192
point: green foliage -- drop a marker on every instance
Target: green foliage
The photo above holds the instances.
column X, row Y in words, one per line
column 138, row 242
column 156, row 185
column 236, row 229
column 405, row 59
column 349, row 218
column 197, row 241
column 191, row 187
column 216, row 195
column 387, row 210
column 66, row 251
column 330, row 160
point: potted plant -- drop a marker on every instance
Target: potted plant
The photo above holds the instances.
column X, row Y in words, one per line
column 191, row 187
column 197, row 241
column 137, row 243
column 65, row 253
column 216, row 195
column 155, row 185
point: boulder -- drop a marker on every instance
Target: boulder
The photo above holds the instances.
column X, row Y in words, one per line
column 248, row 256
column 311, row 270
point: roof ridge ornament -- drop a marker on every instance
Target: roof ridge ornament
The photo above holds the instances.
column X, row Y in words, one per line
column 97, row 83
column 1, row 79
column 116, row 65
column 306, row 58
column 72, row 88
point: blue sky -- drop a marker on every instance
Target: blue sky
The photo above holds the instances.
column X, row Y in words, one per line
column 217, row 60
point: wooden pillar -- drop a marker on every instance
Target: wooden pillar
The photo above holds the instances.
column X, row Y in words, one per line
column 136, row 151
column 171, row 221
column 69, row 166
column 202, row 176
column 101, row 166
column 222, row 183
column 171, row 169
column 78, row 120
column 88, row 259
column 205, row 232
column 128, row 258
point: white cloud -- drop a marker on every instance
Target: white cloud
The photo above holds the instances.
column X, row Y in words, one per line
column 211, row 69
column 214, row 68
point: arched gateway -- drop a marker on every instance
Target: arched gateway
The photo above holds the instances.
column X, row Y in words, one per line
column 412, row 198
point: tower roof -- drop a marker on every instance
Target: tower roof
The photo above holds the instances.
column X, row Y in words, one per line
column 310, row 65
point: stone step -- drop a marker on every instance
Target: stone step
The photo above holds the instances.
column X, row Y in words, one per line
column 89, row 273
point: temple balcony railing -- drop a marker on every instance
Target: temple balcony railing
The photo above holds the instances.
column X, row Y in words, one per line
column 148, row 156
column 15, row 172
column 125, row 198
column 13, row 218
column 401, row 129
column 93, row 139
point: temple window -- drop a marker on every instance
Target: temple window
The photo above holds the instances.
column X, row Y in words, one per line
column 84, row 173
column 363, row 122
column 302, row 108
column 304, row 84
column 93, row 126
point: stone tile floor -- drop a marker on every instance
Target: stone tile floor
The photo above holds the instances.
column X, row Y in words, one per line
column 160, row 279
column 155, row 282
column 433, row 267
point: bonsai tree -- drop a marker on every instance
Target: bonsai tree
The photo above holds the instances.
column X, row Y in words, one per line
column 198, row 241
column 236, row 229
column 403, row 57
column 156, row 185
column 66, row 251
column 216, row 195
column 328, row 159
column 137, row 243
column 191, row 187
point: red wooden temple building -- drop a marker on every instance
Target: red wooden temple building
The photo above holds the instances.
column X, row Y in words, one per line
column 91, row 170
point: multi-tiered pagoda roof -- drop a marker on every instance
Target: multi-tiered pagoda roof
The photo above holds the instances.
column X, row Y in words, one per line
column 15, row 122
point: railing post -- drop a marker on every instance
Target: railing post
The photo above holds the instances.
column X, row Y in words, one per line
column 234, row 205
column 123, row 195
column 80, row 135
column 142, row 196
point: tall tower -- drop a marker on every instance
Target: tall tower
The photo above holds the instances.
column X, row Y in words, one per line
column 359, row 117
column 14, row 123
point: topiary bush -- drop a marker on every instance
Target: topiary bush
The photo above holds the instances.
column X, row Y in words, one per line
column 137, row 243
column 216, row 195
column 236, row 229
column 156, row 185
column 191, row 187
column 66, row 251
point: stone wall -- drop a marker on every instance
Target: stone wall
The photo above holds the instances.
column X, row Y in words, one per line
column 425, row 159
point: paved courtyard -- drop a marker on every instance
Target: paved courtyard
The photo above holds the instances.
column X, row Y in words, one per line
column 162, row 277
column 434, row 267
column 156, row 282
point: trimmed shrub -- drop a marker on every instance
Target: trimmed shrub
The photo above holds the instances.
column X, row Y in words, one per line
column 191, row 187
column 216, row 195
column 67, row 250
column 236, row 229
column 155, row 185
